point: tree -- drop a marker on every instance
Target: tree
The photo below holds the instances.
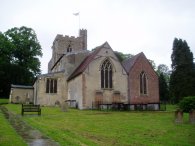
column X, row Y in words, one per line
column 181, row 55
column 163, row 74
column 26, row 48
column 122, row 56
column 5, row 57
column 152, row 64
column 162, row 68
column 163, row 88
column 183, row 74
column 19, row 62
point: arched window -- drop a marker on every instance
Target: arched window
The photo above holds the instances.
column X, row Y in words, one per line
column 143, row 83
column 106, row 74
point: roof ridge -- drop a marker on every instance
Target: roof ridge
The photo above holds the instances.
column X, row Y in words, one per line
column 84, row 63
column 129, row 62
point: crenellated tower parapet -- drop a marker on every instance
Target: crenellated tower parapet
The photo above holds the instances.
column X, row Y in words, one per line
column 83, row 36
column 64, row 45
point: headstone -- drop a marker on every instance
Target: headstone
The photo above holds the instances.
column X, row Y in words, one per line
column 178, row 116
column 27, row 100
column 192, row 116
column 57, row 103
column 64, row 106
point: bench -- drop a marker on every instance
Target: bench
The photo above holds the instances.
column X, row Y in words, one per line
column 31, row 108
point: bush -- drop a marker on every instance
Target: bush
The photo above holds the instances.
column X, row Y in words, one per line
column 187, row 103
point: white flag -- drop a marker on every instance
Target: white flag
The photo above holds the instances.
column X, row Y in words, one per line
column 76, row 14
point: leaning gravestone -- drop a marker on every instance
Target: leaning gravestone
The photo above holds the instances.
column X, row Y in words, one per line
column 192, row 116
column 64, row 106
column 178, row 116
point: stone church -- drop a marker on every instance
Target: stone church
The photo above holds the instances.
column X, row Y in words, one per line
column 91, row 78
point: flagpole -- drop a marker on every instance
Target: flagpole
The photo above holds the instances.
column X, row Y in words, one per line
column 79, row 21
column 77, row 14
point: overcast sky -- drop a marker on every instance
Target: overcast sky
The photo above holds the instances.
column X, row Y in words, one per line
column 129, row 26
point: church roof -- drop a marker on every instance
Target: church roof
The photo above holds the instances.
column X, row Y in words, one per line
column 22, row 86
column 81, row 68
column 62, row 55
column 129, row 63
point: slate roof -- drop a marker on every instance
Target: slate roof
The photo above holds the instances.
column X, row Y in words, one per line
column 81, row 68
column 22, row 86
column 62, row 55
column 129, row 63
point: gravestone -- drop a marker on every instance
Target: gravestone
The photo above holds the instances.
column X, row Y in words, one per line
column 178, row 116
column 64, row 106
column 192, row 116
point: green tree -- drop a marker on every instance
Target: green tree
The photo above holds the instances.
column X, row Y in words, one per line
column 122, row 56
column 19, row 62
column 183, row 74
column 163, row 88
column 5, row 57
column 164, row 77
column 153, row 64
column 162, row 68
column 26, row 48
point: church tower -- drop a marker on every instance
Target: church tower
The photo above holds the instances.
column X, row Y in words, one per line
column 83, row 35
column 65, row 49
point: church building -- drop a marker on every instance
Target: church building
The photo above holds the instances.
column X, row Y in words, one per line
column 93, row 78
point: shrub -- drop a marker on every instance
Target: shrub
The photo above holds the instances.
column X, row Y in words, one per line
column 187, row 103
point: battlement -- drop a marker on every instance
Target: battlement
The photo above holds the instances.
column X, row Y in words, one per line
column 68, row 44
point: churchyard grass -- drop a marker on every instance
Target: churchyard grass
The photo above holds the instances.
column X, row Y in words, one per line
column 4, row 101
column 171, row 107
column 119, row 128
column 8, row 136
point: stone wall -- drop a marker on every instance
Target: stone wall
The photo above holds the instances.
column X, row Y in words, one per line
column 21, row 95
column 92, row 80
column 61, row 45
column 75, row 91
column 70, row 62
column 50, row 99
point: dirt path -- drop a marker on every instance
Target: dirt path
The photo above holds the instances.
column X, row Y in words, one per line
column 32, row 136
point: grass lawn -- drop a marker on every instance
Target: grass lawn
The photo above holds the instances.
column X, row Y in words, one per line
column 4, row 101
column 8, row 136
column 86, row 127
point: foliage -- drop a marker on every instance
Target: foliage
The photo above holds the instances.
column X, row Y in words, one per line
column 122, row 56
column 162, row 68
column 187, row 103
column 183, row 71
column 19, row 62
column 152, row 64
column 163, row 88
column 164, row 77
column 8, row 136
column 25, row 48
column 181, row 54
column 91, row 127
